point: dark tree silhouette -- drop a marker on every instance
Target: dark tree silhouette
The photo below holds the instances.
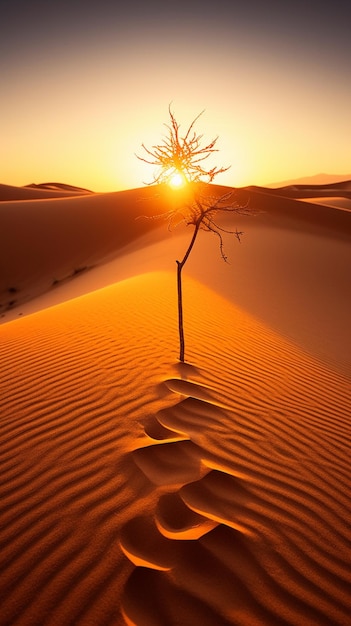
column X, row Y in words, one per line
column 185, row 156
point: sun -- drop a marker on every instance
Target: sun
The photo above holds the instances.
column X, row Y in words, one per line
column 177, row 180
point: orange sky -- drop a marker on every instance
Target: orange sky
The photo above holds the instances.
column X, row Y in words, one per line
column 83, row 86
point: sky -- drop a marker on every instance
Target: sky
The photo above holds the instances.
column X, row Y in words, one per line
column 84, row 84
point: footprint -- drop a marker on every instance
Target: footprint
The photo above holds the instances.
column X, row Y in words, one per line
column 191, row 416
column 144, row 546
column 216, row 496
column 156, row 431
column 193, row 390
column 170, row 463
column 151, row 599
column 176, row 521
column 188, row 388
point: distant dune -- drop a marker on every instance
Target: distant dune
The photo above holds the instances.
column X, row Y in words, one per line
column 295, row 191
column 137, row 490
column 31, row 192
column 59, row 187
column 316, row 179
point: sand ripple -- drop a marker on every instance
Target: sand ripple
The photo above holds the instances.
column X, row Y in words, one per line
column 138, row 491
column 242, row 546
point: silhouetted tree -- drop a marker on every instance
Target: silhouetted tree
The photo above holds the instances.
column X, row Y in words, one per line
column 185, row 156
column 182, row 155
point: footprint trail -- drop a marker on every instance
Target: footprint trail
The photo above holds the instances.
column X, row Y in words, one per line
column 167, row 548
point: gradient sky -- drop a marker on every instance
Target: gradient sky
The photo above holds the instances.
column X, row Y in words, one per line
column 83, row 84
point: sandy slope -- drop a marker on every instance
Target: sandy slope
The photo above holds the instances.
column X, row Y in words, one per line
column 136, row 490
column 44, row 243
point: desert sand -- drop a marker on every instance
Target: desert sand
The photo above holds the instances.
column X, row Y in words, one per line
column 139, row 490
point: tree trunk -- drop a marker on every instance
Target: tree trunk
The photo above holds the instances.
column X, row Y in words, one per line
column 180, row 312
column 180, row 265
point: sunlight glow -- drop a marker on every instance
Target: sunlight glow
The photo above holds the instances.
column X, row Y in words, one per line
column 176, row 181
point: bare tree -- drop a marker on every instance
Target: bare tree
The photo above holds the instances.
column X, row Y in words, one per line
column 184, row 155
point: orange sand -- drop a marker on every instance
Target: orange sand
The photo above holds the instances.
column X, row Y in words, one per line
column 138, row 490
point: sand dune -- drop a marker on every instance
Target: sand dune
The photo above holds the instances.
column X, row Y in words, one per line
column 318, row 180
column 39, row 192
column 138, row 490
column 45, row 243
column 339, row 202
